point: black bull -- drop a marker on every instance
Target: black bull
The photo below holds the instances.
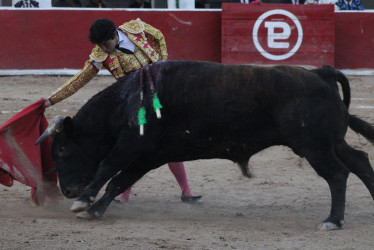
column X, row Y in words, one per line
column 210, row 111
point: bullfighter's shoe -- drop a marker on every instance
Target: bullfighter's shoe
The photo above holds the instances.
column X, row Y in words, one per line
column 117, row 202
column 191, row 199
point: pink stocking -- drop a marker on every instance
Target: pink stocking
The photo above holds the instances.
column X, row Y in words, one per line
column 177, row 168
column 124, row 197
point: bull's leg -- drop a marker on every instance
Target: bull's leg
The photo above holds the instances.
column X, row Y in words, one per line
column 327, row 165
column 121, row 156
column 91, row 191
column 116, row 186
column 358, row 163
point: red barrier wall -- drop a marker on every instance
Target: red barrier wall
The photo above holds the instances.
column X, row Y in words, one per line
column 55, row 39
column 278, row 34
column 354, row 34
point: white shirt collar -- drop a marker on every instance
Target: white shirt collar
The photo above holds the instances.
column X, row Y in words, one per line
column 124, row 42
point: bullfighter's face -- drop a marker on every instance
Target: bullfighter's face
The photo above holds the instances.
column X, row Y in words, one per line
column 109, row 46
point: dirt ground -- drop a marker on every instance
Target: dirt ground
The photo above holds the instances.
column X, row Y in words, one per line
column 280, row 208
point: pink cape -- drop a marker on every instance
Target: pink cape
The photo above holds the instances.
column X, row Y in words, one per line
column 21, row 160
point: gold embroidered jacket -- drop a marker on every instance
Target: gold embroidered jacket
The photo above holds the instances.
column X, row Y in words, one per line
column 150, row 47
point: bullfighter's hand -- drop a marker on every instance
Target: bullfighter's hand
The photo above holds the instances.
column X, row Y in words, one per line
column 47, row 104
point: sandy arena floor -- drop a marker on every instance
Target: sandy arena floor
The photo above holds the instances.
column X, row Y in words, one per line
column 280, row 208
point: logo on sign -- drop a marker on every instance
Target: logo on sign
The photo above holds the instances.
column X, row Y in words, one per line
column 278, row 34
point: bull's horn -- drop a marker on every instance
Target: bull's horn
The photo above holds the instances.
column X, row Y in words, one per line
column 53, row 127
column 51, row 171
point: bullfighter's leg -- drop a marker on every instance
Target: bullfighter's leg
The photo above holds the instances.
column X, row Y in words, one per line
column 116, row 186
column 358, row 163
column 327, row 165
column 125, row 196
column 179, row 172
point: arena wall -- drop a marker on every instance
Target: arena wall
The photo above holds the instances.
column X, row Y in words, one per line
column 278, row 34
column 57, row 38
column 354, row 40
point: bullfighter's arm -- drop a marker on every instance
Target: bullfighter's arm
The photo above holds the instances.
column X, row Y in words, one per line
column 158, row 40
column 75, row 83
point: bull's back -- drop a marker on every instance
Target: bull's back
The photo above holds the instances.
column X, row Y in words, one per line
column 223, row 96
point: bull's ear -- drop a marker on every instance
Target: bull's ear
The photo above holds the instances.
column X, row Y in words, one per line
column 68, row 125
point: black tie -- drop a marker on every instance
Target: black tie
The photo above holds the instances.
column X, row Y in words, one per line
column 126, row 51
column 349, row 6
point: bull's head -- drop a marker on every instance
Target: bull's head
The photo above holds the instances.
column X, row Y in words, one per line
column 75, row 167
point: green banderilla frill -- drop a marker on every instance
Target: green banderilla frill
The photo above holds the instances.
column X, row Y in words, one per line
column 141, row 116
column 157, row 105
column 156, row 102
column 141, row 120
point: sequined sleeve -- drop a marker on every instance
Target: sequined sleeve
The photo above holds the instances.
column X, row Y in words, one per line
column 157, row 39
column 75, row 83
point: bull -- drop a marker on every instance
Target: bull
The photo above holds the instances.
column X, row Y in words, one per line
column 209, row 111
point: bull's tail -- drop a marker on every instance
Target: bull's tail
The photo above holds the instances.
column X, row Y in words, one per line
column 356, row 124
column 342, row 79
column 362, row 127
column 245, row 168
column 331, row 75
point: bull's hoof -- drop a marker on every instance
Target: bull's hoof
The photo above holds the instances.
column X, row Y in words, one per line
column 87, row 216
column 79, row 206
column 84, row 215
column 327, row 226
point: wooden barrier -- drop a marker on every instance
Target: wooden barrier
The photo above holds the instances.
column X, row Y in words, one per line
column 278, row 34
column 58, row 38
column 354, row 40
